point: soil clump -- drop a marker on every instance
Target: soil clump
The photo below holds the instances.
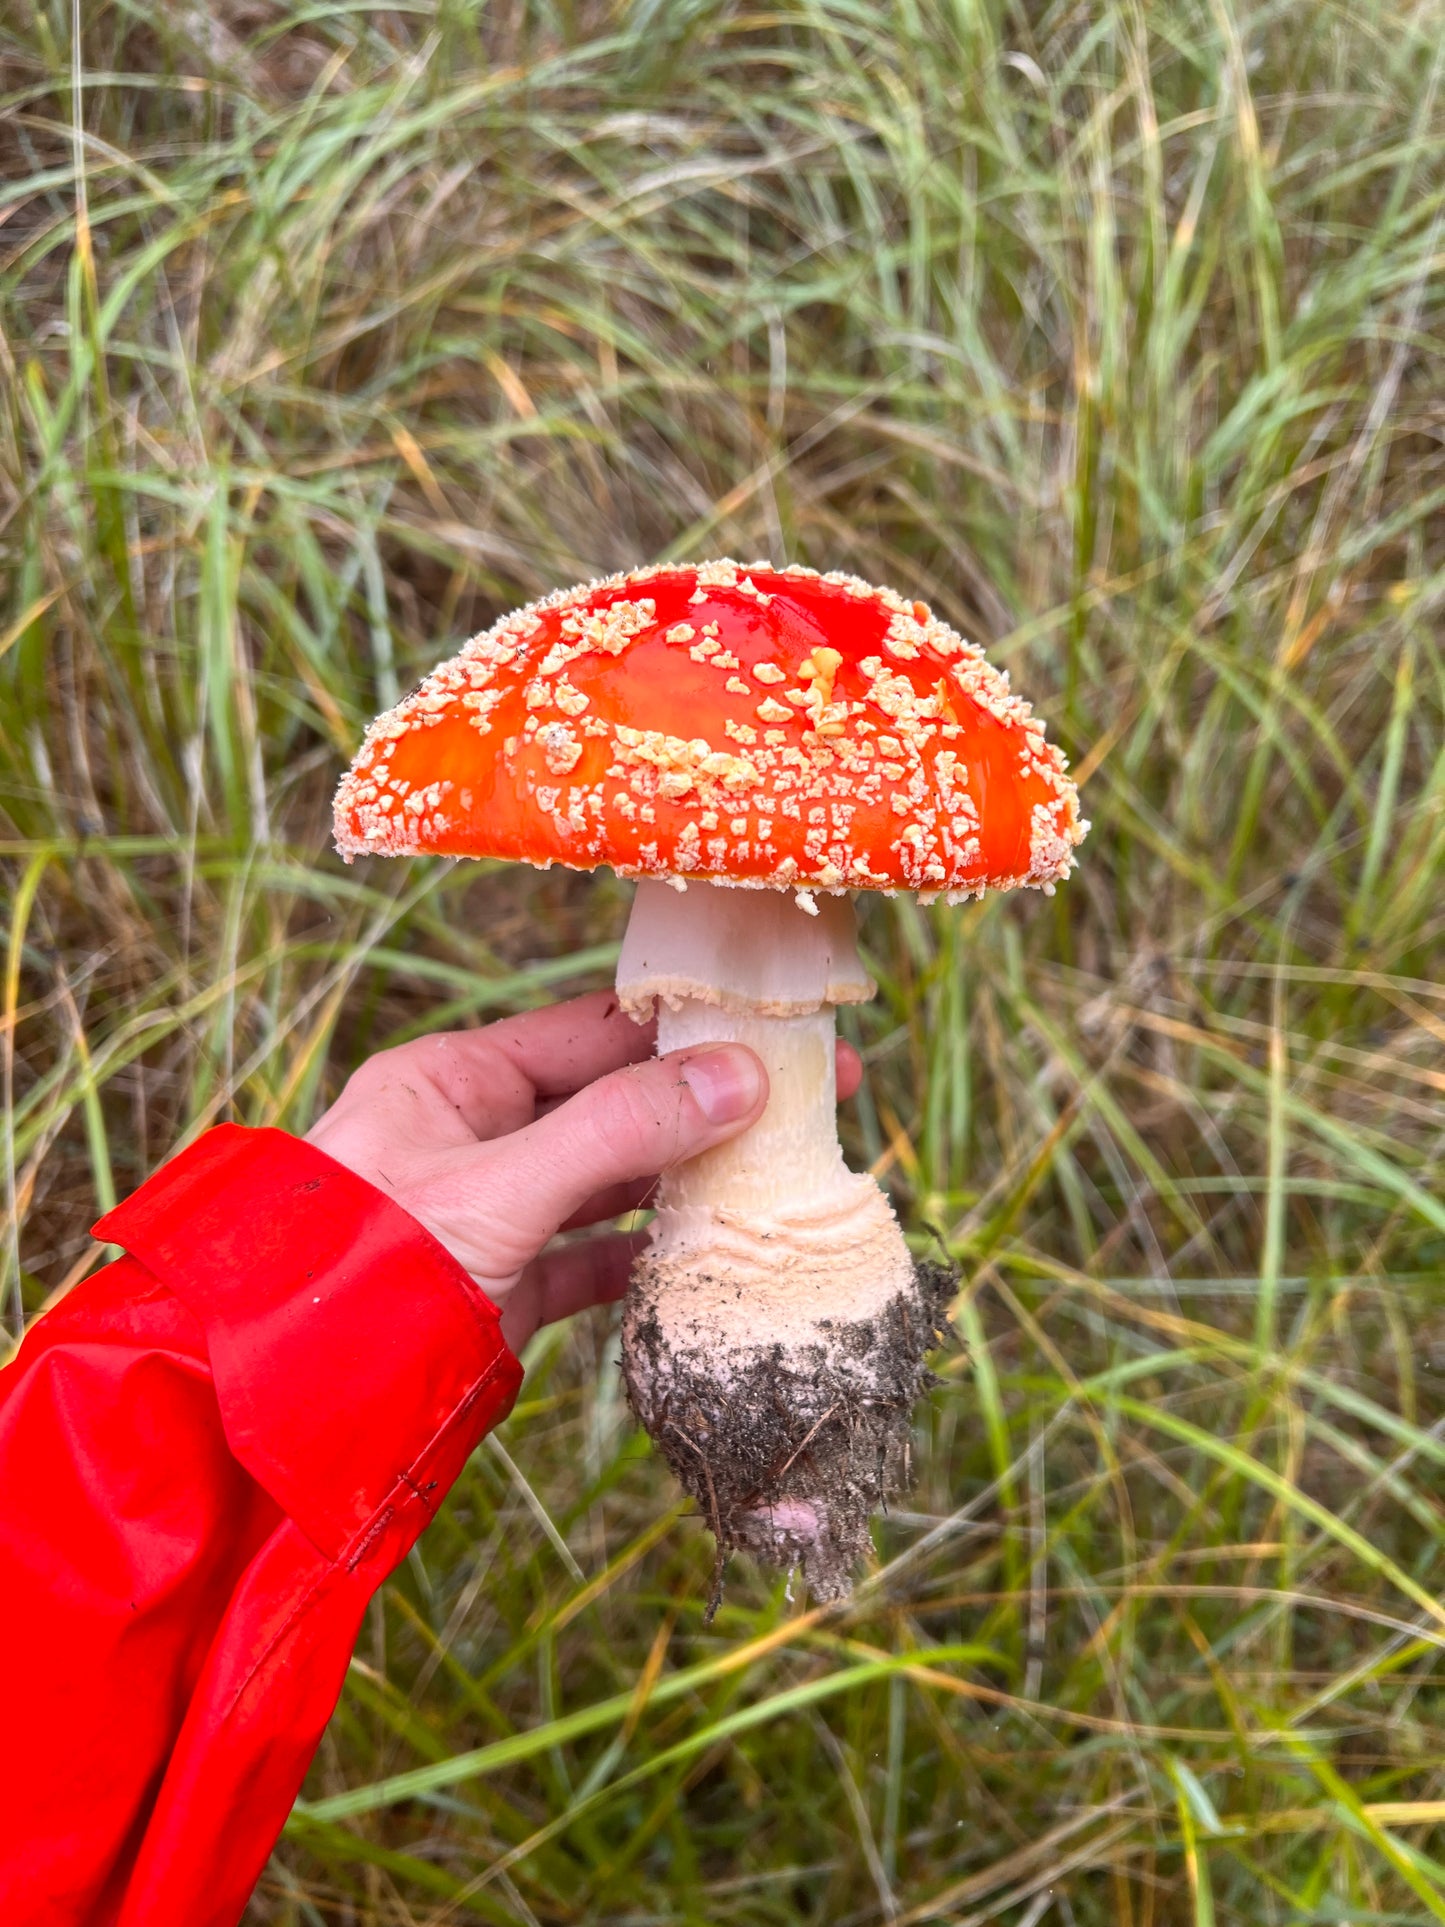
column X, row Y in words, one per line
column 788, row 1448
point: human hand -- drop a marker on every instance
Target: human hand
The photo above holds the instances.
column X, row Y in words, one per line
column 497, row 1139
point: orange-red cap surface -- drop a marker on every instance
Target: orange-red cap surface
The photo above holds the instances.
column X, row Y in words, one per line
column 728, row 722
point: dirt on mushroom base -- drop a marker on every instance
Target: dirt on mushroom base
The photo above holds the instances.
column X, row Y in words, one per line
column 788, row 1448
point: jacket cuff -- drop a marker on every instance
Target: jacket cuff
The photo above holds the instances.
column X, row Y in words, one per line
column 348, row 1348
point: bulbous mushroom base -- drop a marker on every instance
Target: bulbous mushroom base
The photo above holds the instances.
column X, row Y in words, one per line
column 788, row 1443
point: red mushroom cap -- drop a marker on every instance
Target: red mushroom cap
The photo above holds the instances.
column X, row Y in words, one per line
column 729, row 722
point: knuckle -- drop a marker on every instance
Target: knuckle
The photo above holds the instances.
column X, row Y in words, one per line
column 459, row 1067
column 442, row 1052
column 381, row 1067
column 364, row 1081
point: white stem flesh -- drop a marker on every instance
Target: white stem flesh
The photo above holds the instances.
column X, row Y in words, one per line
column 755, row 1241
column 792, row 1152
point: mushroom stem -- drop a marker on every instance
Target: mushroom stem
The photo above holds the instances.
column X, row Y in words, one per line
column 774, row 1334
column 774, row 1221
column 792, row 1151
column 776, row 1209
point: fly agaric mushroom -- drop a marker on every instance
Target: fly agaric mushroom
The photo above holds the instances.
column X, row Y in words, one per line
column 793, row 736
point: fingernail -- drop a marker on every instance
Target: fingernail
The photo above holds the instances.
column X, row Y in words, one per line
column 726, row 1082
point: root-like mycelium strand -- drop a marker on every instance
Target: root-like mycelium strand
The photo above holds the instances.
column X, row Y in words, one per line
column 775, row 1331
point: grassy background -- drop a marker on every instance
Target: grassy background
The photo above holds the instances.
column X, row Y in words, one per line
column 330, row 331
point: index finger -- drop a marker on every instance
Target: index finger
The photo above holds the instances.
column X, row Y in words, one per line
column 496, row 1076
column 564, row 1047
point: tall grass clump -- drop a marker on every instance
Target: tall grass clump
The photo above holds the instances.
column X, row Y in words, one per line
column 327, row 333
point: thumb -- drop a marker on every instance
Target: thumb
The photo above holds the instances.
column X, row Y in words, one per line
column 628, row 1125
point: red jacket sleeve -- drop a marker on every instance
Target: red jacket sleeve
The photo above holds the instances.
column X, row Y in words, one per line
column 211, row 1454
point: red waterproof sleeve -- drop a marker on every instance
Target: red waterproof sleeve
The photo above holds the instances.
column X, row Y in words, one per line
column 211, row 1454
